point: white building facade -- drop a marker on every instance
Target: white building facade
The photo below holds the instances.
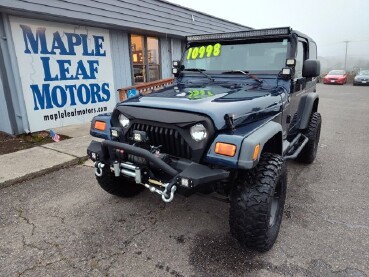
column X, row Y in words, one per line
column 62, row 61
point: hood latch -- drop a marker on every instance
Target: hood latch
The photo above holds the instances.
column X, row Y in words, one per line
column 229, row 120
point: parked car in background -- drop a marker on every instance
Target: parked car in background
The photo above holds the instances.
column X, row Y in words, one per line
column 335, row 77
column 362, row 78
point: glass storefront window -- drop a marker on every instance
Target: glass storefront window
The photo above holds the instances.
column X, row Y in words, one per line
column 145, row 59
column 153, row 57
column 138, row 59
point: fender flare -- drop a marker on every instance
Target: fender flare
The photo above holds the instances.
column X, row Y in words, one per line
column 260, row 136
column 98, row 133
column 307, row 110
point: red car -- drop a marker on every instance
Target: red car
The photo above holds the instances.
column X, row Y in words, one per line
column 335, row 77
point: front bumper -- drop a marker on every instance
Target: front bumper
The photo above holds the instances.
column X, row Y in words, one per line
column 334, row 81
column 158, row 174
column 361, row 82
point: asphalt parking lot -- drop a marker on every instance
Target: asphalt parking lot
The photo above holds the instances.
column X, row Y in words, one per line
column 63, row 224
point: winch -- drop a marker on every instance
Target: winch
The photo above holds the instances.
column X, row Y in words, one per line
column 140, row 177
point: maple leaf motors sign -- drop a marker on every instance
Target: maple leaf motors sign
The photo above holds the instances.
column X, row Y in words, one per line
column 66, row 72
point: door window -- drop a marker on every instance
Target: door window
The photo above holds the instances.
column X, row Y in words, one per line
column 145, row 59
column 138, row 58
column 153, row 58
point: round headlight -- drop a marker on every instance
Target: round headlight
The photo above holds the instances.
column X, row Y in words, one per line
column 124, row 121
column 198, row 132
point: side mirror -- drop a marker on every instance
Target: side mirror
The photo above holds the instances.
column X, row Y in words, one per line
column 175, row 68
column 311, row 68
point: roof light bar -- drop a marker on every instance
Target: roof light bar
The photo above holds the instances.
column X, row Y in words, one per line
column 243, row 34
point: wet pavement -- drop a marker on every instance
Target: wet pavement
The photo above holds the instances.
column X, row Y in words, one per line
column 63, row 224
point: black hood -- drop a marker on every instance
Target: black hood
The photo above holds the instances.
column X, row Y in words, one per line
column 247, row 102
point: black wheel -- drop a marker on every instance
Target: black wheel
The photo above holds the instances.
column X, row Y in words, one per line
column 257, row 202
column 119, row 186
column 308, row 154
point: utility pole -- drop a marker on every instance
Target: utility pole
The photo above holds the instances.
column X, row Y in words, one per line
column 347, row 42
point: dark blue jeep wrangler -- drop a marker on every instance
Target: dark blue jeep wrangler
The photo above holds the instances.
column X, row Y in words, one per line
column 241, row 105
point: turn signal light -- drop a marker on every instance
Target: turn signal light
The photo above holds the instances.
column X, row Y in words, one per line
column 100, row 125
column 256, row 152
column 225, row 149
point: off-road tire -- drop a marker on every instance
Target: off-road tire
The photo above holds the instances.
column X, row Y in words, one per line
column 308, row 154
column 119, row 186
column 252, row 220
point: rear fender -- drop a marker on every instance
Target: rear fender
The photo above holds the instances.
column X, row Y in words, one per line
column 309, row 104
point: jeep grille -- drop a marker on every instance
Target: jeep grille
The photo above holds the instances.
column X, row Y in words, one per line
column 171, row 140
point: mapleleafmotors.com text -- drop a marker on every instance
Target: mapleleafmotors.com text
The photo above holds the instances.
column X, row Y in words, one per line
column 75, row 112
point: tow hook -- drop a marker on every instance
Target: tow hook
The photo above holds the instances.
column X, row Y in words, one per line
column 167, row 194
column 98, row 169
column 168, row 197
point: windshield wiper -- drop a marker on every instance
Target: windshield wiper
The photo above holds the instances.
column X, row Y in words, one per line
column 201, row 71
column 246, row 73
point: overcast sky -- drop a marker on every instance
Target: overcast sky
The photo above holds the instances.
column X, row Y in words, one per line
column 328, row 22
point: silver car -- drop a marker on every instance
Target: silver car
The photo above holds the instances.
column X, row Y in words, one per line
column 362, row 78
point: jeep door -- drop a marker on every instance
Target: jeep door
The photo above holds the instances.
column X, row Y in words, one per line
column 300, row 86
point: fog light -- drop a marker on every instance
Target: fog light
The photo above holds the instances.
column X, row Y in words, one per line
column 137, row 137
column 185, row 182
column 93, row 156
column 140, row 136
column 114, row 133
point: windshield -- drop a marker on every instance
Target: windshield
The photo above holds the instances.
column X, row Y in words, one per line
column 364, row 72
column 336, row 72
column 257, row 56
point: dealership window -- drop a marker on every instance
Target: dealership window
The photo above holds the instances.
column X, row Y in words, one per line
column 145, row 59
